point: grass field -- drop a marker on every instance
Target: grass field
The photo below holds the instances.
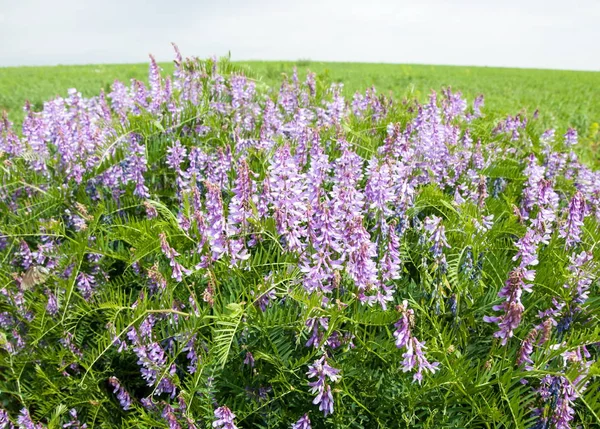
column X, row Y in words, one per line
column 564, row 98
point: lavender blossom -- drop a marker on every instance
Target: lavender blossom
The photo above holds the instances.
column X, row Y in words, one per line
column 437, row 235
column 302, row 423
column 286, row 194
column 321, row 370
column 74, row 422
column 313, row 325
column 570, row 137
column 52, row 305
column 571, row 229
column 86, row 284
column 512, row 307
column 526, row 349
column 390, row 263
column 581, row 268
column 249, row 360
column 225, row 418
column 178, row 269
column 25, row 422
column 5, row 422
column 156, row 93
column 414, row 355
column 559, row 394
column 9, row 141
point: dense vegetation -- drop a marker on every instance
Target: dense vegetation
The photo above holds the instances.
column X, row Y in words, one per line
column 563, row 98
column 208, row 251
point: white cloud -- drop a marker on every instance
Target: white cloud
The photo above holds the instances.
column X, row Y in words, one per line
column 517, row 33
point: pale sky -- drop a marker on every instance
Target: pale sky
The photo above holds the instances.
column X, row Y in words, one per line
column 512, row 33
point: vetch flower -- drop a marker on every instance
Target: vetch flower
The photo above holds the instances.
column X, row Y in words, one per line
column 25, row 422
column 302, row 423
column 414, row 355
column 571, row 229
column 225, row 418
column 323, row 372
column 122, row 395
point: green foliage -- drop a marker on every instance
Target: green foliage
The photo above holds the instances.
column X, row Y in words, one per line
column 72, row 354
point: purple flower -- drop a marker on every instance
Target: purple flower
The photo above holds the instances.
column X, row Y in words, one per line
column 524, row 355
column 321, row 370
column 5, row 422
column 379, row 191
column 166, row 384
column 571, row 229
column 86, row 284
column 122, row 395
column 390, row 263
column 171, row 420
column 156, row 93
column 414, row 355
column 140, row 96
column 570, row 137
column 152, row 361
column 403, row 326
column 286, row 195
column 512, row 307
column 176, row 156
column 453, row 105
column 302, row 423
column 547, row 136
column 361, row 251
column 359, row 104
column 477, row 105
column 217, row 229
column 527, row 246
column 24, row 421
column 311, row 83
column 249, row 360
column 240, row 211
column 136, row 167
column 437, row 235
column 178, row 269
column 25, row 254
column 224, row 418
column 52, row 305
column 313, row 324
column 9, row 141
column 581, row 268
column 558, row 394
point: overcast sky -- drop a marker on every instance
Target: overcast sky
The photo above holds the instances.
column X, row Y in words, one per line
column 513, row 33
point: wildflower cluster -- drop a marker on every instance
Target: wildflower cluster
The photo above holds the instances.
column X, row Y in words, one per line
column 203, row 251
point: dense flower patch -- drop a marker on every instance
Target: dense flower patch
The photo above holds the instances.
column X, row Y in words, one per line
column 208, row 252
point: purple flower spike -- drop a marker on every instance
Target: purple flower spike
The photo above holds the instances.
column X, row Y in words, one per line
column 512, row 307
column 524, row 356
column 249, row 360
column 414, row 355
column 5, row 422
column 559, row 394
column 25, row 422
column 86, row 285
column 321, row 370
column 224, row 418
column 437, row 235
column 122, row 395
column 302, row 423
column 571, row 230
column 571, row 137
column 178, row 269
